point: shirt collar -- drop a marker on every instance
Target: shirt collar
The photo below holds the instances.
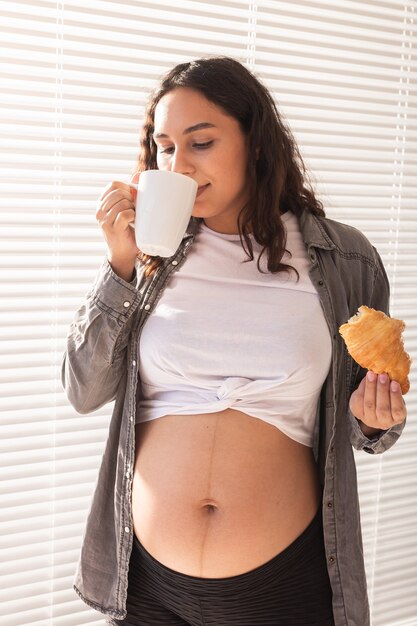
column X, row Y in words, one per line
column 311, row 228
column 313, row 232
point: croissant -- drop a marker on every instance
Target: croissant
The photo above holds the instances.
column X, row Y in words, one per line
column 374, row 340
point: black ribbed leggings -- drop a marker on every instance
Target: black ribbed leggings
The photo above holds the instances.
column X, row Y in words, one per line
column 292, row 589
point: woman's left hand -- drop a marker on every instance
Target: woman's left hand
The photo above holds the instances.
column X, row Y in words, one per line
column 378, row 402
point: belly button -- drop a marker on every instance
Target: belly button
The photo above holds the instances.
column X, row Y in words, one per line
column 209, row 505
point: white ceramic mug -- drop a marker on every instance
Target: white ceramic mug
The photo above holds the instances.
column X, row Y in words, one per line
column 164, row 204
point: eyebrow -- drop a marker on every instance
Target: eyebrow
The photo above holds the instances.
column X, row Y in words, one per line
column 191, row 129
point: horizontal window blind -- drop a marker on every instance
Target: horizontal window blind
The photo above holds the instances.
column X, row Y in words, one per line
column 345, row 77
column 75, row 77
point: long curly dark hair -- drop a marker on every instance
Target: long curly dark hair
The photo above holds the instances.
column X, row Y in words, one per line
column 276, row 174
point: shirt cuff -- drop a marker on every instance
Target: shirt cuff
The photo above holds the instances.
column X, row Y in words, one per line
column 376, row 444
column 113, row 294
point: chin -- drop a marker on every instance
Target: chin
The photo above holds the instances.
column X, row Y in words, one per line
column 201, row 212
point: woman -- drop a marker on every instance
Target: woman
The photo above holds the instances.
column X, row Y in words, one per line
column 226, row 363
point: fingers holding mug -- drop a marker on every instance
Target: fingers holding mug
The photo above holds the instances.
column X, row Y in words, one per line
column 110, row 211
column 116, row 214
column 116, row 197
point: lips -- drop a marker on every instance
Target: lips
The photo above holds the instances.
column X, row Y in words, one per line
column 201, row 189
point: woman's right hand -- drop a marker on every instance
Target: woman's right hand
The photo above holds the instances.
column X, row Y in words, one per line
column 116, row 215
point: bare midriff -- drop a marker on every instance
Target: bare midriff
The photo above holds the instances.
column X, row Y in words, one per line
column 219, row 494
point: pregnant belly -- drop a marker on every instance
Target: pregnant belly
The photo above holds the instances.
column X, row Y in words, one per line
column 219, row 494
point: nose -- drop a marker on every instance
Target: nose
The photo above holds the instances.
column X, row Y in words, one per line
column 181, row 163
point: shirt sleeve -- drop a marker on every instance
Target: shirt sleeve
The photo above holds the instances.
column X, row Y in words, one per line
column 378, row 443
column 95, row 358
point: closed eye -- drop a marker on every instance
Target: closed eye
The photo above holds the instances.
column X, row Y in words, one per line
column 202, row 146
column 166, row 150
column 196, row 145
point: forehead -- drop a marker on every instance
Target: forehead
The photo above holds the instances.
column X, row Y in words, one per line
column 184, row 107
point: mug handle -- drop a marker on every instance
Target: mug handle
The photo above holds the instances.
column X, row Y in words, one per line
column 133, row 183
column 134, row 186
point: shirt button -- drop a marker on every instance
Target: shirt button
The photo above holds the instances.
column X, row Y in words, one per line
column 147, row 307
column 134, row 363
column 321, row 283
column 331, row 559
column 126, row 304
column 131, row 418
column 127, row 529
column 330, row 505
column 127, row 474
column 174, row 263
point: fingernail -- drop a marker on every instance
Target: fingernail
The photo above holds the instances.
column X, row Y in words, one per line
column 395, row 387
column 383, row 378
column 371, row 377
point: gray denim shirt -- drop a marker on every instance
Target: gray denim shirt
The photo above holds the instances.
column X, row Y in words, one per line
column 101, row 365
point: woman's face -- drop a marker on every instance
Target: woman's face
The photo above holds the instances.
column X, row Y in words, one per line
column 197, row 138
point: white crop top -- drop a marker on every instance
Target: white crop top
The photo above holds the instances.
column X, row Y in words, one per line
column 223, row 335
